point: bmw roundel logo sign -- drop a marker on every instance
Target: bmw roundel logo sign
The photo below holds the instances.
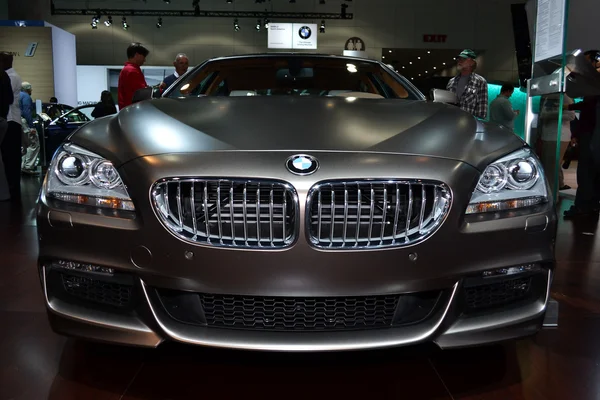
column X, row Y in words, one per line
column 302, row 164
column 305, row 32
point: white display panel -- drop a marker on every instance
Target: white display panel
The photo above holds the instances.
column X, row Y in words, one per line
column 550, row 29
column 280, row 36
column 295, row 36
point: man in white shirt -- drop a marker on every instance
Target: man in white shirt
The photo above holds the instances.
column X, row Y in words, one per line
column 11, row 145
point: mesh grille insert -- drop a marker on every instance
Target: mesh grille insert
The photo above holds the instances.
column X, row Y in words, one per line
column 97, row 291
column 498, row 293
column 299, row 314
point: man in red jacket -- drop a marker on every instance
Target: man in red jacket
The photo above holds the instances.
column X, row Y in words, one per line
column 131, row 78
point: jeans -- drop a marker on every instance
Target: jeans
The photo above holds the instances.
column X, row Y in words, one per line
column 4, row 192
column 11, row 155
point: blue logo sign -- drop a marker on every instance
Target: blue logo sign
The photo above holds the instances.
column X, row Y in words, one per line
column 302, row 164
column 305, row 32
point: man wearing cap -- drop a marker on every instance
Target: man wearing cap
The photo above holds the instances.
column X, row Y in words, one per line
column 29, row 160
column 470, row 88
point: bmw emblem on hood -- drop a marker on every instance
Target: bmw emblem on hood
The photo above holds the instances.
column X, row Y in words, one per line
column 302, row 164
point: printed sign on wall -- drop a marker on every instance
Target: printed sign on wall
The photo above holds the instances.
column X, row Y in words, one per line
column 292, row 36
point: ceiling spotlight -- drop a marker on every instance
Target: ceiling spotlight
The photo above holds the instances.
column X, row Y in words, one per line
column 390, row 51
column 167, row 1
column 108, row 22
column 267, row 22
column 418, row 58
column 428, row 52
column 426, row 72
column 434, row 67
column 236, row 26
column 344, row 7
column 124, row 23
column 94, row 23
column 443, row 63
column 403, row 67
column 322, row 28
column 454, row 58
column 382, row 56
column 229, row 1
column 159, row 23
column 419, row 74
column 258, row 26
column 410, row 62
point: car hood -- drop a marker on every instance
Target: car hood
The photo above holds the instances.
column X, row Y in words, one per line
column 299, row 124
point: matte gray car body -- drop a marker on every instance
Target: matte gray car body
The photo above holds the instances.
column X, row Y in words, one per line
column 249, row 137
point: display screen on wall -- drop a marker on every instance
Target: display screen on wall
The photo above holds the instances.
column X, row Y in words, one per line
column 294, row 36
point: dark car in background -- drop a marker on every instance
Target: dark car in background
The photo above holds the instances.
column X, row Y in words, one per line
column 59, row 121
column 295, row 202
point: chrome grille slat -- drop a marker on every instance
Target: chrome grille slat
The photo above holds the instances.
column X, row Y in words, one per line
column 193, row 209
column 345, row 212
column 371, row 215
column 240, row 213
column 367, row 214
column 206, row 217
column 423, row 203
column 219, row 223
column 408, row 213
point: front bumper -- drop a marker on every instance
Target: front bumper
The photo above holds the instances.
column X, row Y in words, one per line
column 151, row 260
column 449, row 325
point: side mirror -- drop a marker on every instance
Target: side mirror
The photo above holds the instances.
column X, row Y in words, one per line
column 62, row 121
column 443, row 96
column 142, row 94
column 156, row 92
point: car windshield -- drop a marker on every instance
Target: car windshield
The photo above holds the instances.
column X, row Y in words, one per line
column 293, row 76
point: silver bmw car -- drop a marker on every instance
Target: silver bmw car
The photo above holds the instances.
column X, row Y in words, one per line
column 295, row 202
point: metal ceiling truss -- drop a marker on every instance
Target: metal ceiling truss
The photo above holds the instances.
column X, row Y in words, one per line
column 202, row 14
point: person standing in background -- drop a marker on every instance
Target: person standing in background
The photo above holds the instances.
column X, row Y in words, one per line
column 29, row 160
column 470, row 88
column 587, row 201
column 6, row 99
column 501, row 111
column 131, row 78
column 105, row 107
column 548, row 121
column 181, row 64
column 11, row 145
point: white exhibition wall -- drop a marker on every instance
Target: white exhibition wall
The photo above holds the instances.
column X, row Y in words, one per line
column 379, row 23
column 64, row 58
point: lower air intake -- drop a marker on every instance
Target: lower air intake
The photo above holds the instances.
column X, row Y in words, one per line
column 299, row 314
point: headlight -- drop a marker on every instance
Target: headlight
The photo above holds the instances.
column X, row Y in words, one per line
column 82, row 177
column 513, row 182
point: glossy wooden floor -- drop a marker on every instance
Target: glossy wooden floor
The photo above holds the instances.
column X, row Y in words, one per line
column 37, row 364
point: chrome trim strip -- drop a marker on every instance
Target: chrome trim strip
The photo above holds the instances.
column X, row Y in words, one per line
column 501, row 318
column 299, row 342
column 92, row 317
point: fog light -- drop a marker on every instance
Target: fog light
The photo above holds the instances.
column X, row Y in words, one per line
column 82, row 267
column 512, row 270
